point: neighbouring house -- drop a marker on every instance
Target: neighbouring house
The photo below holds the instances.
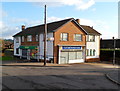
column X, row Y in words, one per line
column 92, row 44
column 73, row 43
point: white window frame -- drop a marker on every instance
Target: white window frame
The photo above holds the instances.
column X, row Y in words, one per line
column 64, row 36
column 76, row 37
column 91, row 38
column 29, row 38
column 17, row 39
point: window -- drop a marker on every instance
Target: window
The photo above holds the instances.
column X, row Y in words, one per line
column 22, row 38
column 79, row 55
column 77, row 37
column 64, row 36
column 17, row 39
column 91, row 38
column 87, row 52
column 90, row 52
column 93, row 52
column 29, row 38
column 72, row 55
column 37, row 37
column 75, row 55
column 17, row 50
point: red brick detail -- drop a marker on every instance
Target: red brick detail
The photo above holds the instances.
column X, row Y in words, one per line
column 93, row 60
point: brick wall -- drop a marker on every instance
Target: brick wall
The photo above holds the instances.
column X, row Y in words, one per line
column 71, row 29
column 33, row 42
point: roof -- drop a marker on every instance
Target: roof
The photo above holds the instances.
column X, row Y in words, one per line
column 90, row 30
column 53, row 26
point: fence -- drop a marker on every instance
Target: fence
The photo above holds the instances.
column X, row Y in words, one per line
column 107, row 55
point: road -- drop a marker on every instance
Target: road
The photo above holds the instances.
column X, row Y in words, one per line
column 74, row 76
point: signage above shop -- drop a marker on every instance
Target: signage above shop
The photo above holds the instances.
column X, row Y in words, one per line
column 71, row 47
column 28, row 47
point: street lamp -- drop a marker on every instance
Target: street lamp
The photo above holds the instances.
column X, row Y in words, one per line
column 114, row 51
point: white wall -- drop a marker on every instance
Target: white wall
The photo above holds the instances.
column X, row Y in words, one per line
column 94, row 45
column 17, row 45
column 49, row 45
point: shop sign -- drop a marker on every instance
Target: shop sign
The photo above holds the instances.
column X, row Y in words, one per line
column 71, row 47
column 28, row 47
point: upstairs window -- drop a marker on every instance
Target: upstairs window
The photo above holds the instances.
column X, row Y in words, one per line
column 77, row 37
column 64, row 37
column 23, row 38
column 29, row 38
column 17, row 39
column 37, row 38
column 90, row 38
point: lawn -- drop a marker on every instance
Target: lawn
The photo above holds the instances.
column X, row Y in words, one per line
column 6, row 58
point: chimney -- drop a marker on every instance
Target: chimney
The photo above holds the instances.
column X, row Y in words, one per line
column 23, row 27
column 112, row 37
column 78, row 21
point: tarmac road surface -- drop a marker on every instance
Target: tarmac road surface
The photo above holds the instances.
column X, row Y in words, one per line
column 72, row 76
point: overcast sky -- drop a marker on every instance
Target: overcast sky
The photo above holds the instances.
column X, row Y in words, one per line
column 102, row 15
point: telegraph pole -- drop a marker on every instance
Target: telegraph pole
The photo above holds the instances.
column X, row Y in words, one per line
column 114, row 52
column 45, row 38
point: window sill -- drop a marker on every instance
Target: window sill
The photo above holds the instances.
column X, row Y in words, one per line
column 77, row 41
column 90, row 41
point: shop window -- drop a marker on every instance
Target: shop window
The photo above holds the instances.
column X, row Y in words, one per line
column 72, row 55
column 77, row 37
column 37, row 37
column 91, row 38
column 94, row 52
column 78, row 55
column 90, row 52
column 23, row 38
column 17, row 50
column 17, row 39
column 29, row 38
column 64, row 37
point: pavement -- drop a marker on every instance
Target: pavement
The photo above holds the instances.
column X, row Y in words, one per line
column 113, row 75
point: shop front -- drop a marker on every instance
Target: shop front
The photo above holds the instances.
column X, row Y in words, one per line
column 29, row 52
column 71, row 54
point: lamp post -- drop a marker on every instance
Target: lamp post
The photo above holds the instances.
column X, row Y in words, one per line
column 114, row 51
column 45, row 38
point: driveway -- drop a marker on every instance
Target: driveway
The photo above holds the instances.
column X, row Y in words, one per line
column 54, row 76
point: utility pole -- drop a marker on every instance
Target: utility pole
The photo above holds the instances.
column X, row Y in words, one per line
column 114, row 52
column 45, row 38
